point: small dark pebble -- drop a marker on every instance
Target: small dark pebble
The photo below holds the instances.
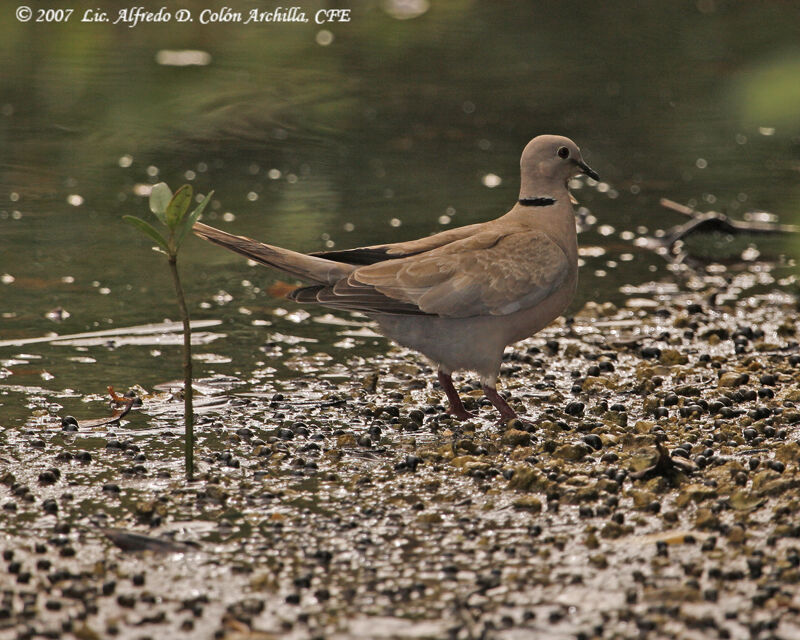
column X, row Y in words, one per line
column 49, row 476
column 768, row 380
column 574, row 409
column 776, row 465
column 50, row 506
column 53, row 605
column 593, row 441
column 650, row 352
column 126, row 600
column 710, row 595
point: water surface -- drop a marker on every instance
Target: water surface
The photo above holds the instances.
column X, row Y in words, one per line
column 373, row 131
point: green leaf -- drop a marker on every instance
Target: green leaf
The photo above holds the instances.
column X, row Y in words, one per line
column 188, row 223
column 148, row 229
column 160, row 195
column 178, row 206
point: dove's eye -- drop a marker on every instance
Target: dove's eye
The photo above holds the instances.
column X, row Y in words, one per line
column 563, row 152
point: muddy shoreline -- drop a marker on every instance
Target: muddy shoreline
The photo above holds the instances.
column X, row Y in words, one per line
column 351, row 506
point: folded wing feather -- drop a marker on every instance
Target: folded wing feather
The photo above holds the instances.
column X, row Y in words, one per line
column 490, row 273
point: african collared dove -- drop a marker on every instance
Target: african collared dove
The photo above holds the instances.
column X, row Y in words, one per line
column 460, row 296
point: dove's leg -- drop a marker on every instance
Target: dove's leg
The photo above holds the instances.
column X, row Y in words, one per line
column 456, row 408
column 506, row 412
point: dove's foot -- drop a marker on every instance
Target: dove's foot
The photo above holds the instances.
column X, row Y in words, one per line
column 506, row 412
column 460, row 413
column 456, row 408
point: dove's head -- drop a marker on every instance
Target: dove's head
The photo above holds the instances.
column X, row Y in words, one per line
column 547, row 163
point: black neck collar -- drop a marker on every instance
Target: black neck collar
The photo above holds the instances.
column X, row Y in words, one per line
column 537, row 202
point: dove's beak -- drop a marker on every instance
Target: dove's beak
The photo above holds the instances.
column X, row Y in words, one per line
column 585, row 168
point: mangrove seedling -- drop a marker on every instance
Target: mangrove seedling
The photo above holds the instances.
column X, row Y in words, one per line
column 172, row 210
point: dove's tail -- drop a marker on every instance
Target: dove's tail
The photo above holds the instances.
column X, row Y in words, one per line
column 310, row 268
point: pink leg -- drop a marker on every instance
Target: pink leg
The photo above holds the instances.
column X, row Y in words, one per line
column 456, row 408
column 506, row 412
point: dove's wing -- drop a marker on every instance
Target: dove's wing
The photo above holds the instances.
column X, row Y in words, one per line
column 394, row 251
column 490, row 273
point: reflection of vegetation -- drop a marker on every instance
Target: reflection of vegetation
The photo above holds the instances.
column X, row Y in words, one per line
column 724, row 247
column 769, row 95
column 393, row 120
column 173, row 213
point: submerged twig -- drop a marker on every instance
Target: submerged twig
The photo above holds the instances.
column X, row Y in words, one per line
column 715, row 221
column 708, row 222
column 665, row 466
column 131, row 541
column 122, row 402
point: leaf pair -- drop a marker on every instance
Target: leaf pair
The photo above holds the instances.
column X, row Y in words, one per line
column 171, row 210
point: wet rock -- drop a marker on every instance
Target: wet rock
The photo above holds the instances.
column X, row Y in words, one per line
column 671, row 357
column 706, row 519
column 572, row 452
column 613, row 530
column 527, row 479
column 50, row 506
column 695, row 493
column 593, row 441
column 650, row 352
column 346, row 440
column 516, row 438
column 688, row 390
column 732, row 379
column 642, row 499
column 50, row 476
column 574, row 409
column 528, row 503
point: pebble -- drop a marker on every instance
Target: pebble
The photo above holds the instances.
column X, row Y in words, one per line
column 574, row 409
column 593, row 441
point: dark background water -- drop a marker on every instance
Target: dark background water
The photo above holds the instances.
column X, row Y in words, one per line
column 370, row 131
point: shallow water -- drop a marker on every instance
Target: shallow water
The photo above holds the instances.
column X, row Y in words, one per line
column 390, row 131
